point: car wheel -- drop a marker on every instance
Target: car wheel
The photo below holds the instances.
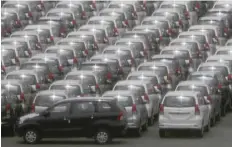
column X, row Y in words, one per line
column 31, row 136
column 223, row 110
column 138, row 132
column 213, row 121
column 161, row 133
column 151, row 121
column 207, row 128
column 102, row 136
column 145, row 126
column 218, row 117
column 200, row 133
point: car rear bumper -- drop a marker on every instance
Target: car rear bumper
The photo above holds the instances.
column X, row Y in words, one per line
column 192, row 125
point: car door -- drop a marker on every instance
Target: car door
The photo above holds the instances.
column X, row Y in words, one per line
column 81, row 117
column 141, row 107
column 56, row 123
column 154, row 97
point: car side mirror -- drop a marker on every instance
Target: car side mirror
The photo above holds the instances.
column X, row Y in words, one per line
column 46, row 113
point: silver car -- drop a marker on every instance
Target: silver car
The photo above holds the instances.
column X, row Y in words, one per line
column 8, row 61
column 137, row 116
column 184, row 110
column 229, row 42
column 213, row 97
column 47, row 98
column 149, row 95
column 225, row 50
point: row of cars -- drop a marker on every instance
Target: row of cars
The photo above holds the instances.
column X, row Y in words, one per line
column 117, row 69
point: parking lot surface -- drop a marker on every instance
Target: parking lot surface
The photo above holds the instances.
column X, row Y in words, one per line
column 220, row 135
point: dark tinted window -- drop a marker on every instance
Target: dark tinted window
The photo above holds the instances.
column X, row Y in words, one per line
column 80, row 77
column 35, row 66
column 177, row 53
column 130, row 87
column 172, row 101
column 214, row 68
column 104, row 107
column 82, row 107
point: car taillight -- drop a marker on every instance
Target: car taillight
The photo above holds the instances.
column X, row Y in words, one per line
column 33, row 108
column 75, row 60
column 209, row 98
column 230, row 77
column 161, row 110
column 126, row 22
column 134, row 109
column 51, row 38
column 94, row 4
column 97, row 86
column 206, row 45
column 61, row 68
column 109, row 76
column 51, row 76
column 22, row 96
column 146, row 98
column 197, row 109
column 180, row 22
column 186, row 13
column 18, row 22
column 30, row 14
column 37, row 86
column 120, row 70
column 120, row 116
column 169, row 31
column 83, row 14
column 198, row 6
column 219, row 86
column 74, row 22
column 178, row 70
column 115, row 31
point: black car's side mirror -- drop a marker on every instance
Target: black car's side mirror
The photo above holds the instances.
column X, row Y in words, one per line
column 45, row 113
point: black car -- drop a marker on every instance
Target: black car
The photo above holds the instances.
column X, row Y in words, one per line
column 75, row 117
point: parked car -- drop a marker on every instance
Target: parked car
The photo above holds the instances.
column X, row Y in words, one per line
column 137, row 116
column 225, row 50
column 184, row 110
column 75, row 110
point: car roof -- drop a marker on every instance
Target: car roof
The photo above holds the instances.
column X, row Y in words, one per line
column 31, row 72
column 56, row 92
column 65, row 82
column 153, row 63
column 203, row 27
column 117, row 47
column 96, row 26
column 182, row 93
column 130, row 39
column 184, row 40
column 81, row 72
column 24, row 33
column 218, row 57
column 210, row 73
column 134, row 82
column 39, row 26
column 15, row 39
column 146, row 73
column 55, row 47
column 167, row 10
column 120, row 92
column 163, row 56
column 42, row 55
column 146, row 26
column 103, row 18
column 10, row 46
column 50, row 18
column 194, row 82
column 176, row 47
column 12, row 81
column 220, row 9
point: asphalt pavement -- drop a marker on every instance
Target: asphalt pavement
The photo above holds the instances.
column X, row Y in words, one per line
column 219, row 136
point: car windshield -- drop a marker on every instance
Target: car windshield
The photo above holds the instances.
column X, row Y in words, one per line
column 67, row 53
column 30, row 79
column 177, row 53
column 214, row 68
column 80, row 77
column 11, row 88
column 199, row 38
column 202, row 89
column 179, row 101
column 139, row 44
column 154, row 22
column 48, row 100
column 174, row 5
column 152, row 68
column 107, row 22
column 125, row 101
column 34, row 66
column 93, row 67
column 209, row 22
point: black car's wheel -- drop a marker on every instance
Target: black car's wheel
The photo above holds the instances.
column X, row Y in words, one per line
column 102, row 136
column 161, row 133
column 31, row 136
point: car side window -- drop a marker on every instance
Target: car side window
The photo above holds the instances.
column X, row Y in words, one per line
column 60, row 109
column 82, row 108
column 103, row 107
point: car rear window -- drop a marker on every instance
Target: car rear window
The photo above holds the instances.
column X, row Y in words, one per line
column 107, row 22
column 30, row 79
column 152, row 68
column 130, row 87
column 229, row 52
column 65, row 87
column 36, row 66
column 222, row 5
column 154, row 22
column 173, row 101
column 140, row 77
column 209, row 22
column 202, row 89
column 59, row 14
column 173, row 6
column 48, row 100
column 67, row 53
column 113, row 64
column 80, row 77
column 200, row 77
column 177, row 53
column 137, row 44
column 199, row 38
column 11, row 88
column 125, row 101
column 214, row 68
column 119, row 52
column 93, row 67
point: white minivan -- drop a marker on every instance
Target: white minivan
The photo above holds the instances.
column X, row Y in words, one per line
column 184, row 110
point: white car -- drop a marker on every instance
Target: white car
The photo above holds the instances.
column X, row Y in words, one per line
column 180, row 110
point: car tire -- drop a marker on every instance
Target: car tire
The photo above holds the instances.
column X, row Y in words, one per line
column 138, row 132
column 200, row 132
column 223, row 111
column 145, row 126
column 207, row 127
column 213, row 121
column 102, row 136
column 161, row 133
column 218, row 117
column 151, row 121
column 31, row 136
